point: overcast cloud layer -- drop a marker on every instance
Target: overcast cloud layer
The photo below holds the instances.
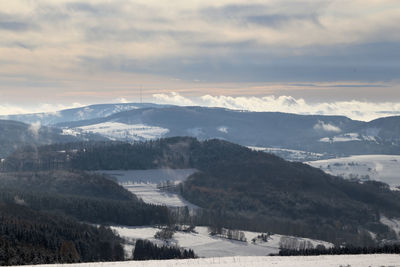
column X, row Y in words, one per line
column 95, row 50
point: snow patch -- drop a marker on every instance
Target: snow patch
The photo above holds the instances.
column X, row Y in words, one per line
column 223, row 129
column 120, row 131
column 72, row 132
column 383, row 168
column 289, row 154
column 151, row 193
column 349, row 137
column 341, row 138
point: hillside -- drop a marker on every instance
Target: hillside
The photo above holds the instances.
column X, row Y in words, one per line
column 32, row 237
column 15, row 134
column 86, row 197
column 66, row 183
column 242, row 188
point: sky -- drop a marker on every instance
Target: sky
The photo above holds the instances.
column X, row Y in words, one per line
column 322, row 55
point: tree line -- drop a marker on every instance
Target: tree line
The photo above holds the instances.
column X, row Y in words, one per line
column 32, row 237
column 145, row 250
column 321, row 250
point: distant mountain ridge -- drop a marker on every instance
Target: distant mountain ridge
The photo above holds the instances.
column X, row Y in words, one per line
column 74, row 114
column 330, row 136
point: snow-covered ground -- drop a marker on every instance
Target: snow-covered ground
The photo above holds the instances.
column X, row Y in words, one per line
column 149, row 176
column 120, row 131
column 373, row 260
column 205, row 245
column 145, row 184
column 289, row 154
column 384, row 168
column 342, row 138
column 149, row 193
column 347, row 137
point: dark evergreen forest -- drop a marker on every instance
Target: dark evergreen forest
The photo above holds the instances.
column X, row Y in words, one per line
column 238, row 187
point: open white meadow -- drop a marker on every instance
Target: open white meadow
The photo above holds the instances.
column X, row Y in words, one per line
column 373, row 260
column 151, row 194
column 208, row 246
column 120, row 131
column 145, row 184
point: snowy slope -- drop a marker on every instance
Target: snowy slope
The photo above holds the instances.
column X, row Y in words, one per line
column 120, row 131
column 149, row 176
column 384, row 168
column 205, row 245
column 373, row 260
column 145, row 184
column 290, row 154
column 150, row 193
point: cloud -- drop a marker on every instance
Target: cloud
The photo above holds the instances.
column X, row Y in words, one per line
column 34, row 129
column 357, row 110
column 327, row 127
column 173, row 99
column 281, row 20
column 14, row 26
column 6, row 109
column 121, row 100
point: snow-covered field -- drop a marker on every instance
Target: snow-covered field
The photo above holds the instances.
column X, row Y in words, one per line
column 149, row 193
column 384, row 168
column 149, row 176
column 347, row 137
column 208, row 246
column 373, row 260
column 144, row 184
column 120, row 131
column 290, row 154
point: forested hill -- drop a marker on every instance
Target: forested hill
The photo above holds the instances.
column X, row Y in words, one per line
column 33, row 237
column 14, row 134
column 75, row 183
column 241, row 187
column 41, row 215
column 86, row 197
